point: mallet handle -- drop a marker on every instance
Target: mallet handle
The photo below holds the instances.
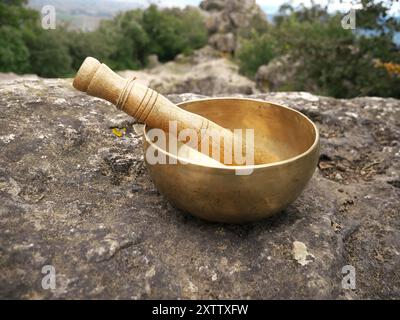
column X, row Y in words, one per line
column 144, row 104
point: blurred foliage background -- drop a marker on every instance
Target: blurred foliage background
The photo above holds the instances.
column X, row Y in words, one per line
column 329, row 59
column 326, row 58
column 123, row 43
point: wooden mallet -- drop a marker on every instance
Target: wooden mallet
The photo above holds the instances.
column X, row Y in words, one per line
column 148, row 106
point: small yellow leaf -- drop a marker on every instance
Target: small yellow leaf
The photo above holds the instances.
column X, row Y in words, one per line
column 118, row 133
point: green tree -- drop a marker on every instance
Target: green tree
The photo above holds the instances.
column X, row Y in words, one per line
column 123, row 42
column 95, row 44
column 49, row 54
column 173, row 31
column 14, row 54
column 14, row 14
column 16, row 22
column 194, row 31
column 129, row 40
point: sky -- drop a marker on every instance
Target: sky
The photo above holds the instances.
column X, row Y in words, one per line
column 269, row 6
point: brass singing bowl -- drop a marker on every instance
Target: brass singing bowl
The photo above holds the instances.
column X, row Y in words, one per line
column 217, row 193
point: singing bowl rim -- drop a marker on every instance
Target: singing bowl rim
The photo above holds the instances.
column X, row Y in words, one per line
column 245, row 167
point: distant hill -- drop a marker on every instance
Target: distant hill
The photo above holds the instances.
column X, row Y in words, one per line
column 85, row 14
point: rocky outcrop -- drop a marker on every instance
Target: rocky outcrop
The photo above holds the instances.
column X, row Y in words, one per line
column 277, row 74
column 224, row 18
column 206, row 71
column 75, row 194
column 224, row 42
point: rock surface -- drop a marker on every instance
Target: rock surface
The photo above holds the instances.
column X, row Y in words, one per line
column 75, row 194
column 10, row 76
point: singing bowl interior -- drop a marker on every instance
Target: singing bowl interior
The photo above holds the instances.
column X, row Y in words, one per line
column 216, row 193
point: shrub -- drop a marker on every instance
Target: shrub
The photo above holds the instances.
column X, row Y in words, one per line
column 258, row 50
